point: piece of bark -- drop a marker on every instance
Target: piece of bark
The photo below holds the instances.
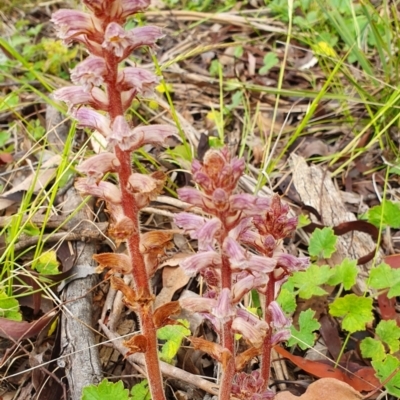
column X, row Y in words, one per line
column 315, row 188
column 83, row 366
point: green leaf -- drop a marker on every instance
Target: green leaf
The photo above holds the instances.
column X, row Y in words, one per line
column 270, row 60
column 141, row 391
column 47, row 263
column 305, row 337
column 384, row 369
column 9, row 307
column 322, row 243
column 372, row 348
column 303, row 220
column 105, row 391
column 389, row 332
column 287, row 300
column 388, row 213
column 173, row 334
column 345, row 273
column 356, row 311
column 385, row 277
column 308, row 281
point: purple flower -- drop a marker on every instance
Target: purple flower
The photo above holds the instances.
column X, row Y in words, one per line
column 200, row 261
column 245, row 284
column 116, row 39
column 279, row 319
column 206, row 234
column 89, row 72
column 96, row 166
column 104, row 190
column 291, row 263
column 253, row 333
column 70, row 24
column 144, row 36
column 132, row 139
column 250, row 387
column 140, row 79
column 118, row 9
column 197, row 304
column 75, row 95
column 191, row 223
column 89, row 118
column 224, row 310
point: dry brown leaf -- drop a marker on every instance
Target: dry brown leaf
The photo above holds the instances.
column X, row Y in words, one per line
column 173, row 280
column 324, row 389
column 44, row 176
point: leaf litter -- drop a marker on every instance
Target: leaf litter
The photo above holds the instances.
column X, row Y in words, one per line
column 198, row 50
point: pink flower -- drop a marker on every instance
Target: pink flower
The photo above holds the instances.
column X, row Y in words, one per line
column 122, row 42
column 253, row 333
column 89, row 118
column 89, row 72
column 96, row 166
column 70, row 24
column 279, row 319
column 140, row 79
column 117, row 9
column 291, row 263
column 104, row 190
column 132, row 139
column 200, row 261
column 197, row 304
column 224, row 310
column 144, row 36
column 191, row 223
column 280, row 336
column 206, row 234
column 146, row 187
column 245, row 284
column 75, row 95
column 191, row 196
column 116, row 39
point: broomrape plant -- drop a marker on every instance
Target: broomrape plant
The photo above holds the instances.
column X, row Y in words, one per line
column 239, row 250
column 239, row 247
column 108, row 91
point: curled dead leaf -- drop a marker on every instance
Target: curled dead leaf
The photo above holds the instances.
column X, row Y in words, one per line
column 161, row 314
column 243, row 358
column 326, row 389
column 136, row 344
column 117, row 262
column 215, row 350
column 153, row 245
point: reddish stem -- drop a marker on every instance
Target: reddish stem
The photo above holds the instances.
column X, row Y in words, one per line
column 129, row 205
column 227, row 337
column 266, row 346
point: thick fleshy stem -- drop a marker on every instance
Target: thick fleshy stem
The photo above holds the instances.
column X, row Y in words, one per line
column 131, row 210
column 227, row 336
column 267, row 342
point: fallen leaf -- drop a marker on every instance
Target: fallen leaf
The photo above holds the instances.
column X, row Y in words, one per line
column 18, row 330
column 324, row 389
column 362, row 380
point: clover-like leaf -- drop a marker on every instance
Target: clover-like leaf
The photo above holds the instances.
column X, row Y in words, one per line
column 345, row 273
column 356, row 311
column 322, row 243
column 105, row 391
column 305, row 337
column 307, row 282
